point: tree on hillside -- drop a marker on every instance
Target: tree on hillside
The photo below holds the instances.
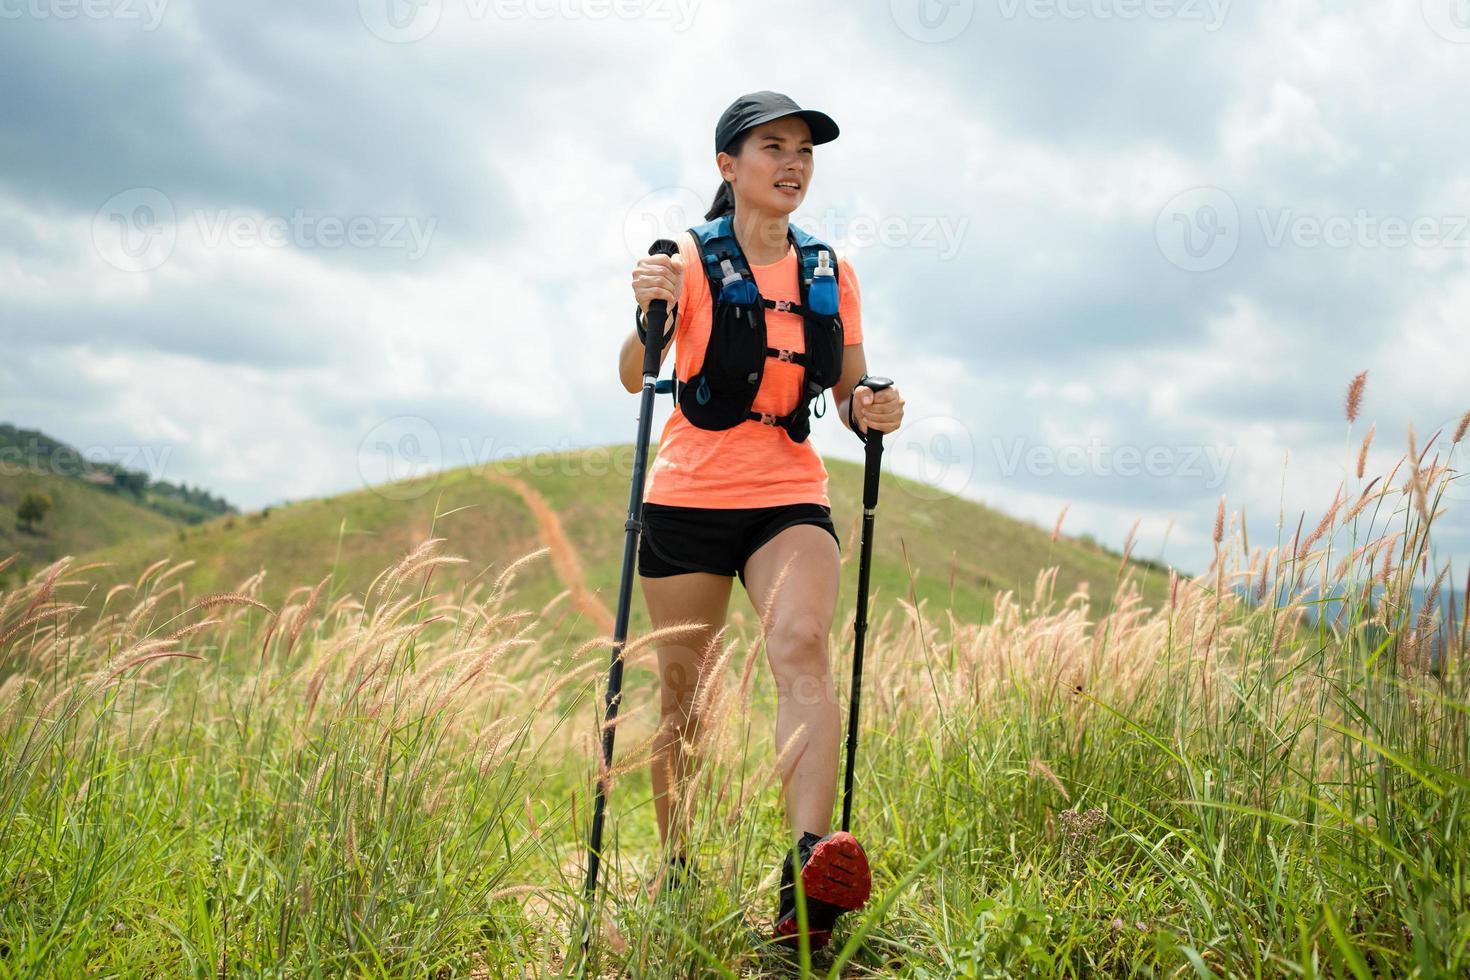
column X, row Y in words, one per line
column 131, row 481
column 33, row 507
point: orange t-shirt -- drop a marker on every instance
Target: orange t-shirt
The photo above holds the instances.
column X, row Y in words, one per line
column 752, row 464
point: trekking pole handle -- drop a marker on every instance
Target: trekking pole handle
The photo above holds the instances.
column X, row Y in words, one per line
column 874, row 442
column 658, row 313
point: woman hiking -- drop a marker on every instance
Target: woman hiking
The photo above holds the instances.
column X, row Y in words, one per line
column 737, row 488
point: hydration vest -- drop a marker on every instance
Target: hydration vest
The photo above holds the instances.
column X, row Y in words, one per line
column 720, row 393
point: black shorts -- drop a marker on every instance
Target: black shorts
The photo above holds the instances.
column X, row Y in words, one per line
column 719, row 540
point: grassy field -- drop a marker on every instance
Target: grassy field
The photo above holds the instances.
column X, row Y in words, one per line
column 392, row 780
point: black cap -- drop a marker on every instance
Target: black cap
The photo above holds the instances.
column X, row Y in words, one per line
column 761, row 107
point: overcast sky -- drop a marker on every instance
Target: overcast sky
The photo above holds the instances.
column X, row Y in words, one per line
column 1119, row 255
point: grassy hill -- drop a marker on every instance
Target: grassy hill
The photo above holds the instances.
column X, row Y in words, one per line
column 960, row 553
column 83, row 518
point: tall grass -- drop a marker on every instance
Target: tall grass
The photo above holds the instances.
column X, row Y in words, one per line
column 1266, row 776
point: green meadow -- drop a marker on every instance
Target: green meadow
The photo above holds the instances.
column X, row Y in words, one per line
column 355, row 736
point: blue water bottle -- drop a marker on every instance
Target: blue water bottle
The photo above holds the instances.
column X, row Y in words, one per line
column 821, row 297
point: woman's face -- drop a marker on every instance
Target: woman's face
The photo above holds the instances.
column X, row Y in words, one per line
column 774, row 167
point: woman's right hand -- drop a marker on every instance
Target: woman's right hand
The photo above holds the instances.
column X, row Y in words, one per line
column 658, row 277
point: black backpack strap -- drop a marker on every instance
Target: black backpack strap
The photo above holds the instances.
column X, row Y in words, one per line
column 717, row 245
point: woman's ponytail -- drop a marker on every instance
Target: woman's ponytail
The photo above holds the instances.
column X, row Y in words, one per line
column 724, row 202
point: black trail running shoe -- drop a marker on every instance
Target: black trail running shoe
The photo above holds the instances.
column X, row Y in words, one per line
column 836, row 879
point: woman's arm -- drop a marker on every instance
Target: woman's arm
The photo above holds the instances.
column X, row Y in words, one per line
column 883, row 411
column 655, row 277
column 630, row 361
column 854, row 366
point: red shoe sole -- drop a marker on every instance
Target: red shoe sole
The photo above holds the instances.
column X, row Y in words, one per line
column 786, row 934
column 837, row 872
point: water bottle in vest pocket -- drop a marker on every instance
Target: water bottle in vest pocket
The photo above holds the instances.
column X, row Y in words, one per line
column 822, row 293
column 735, row 357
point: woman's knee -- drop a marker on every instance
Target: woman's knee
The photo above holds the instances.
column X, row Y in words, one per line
column 797, row 647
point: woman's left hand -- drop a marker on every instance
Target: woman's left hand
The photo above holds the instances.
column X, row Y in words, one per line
column 881, row 410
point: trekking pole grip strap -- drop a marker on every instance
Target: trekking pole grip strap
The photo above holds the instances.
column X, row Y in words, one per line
column 875, row 384
column 658, row 312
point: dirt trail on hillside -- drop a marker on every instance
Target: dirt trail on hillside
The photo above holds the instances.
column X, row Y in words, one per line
column 564, row 557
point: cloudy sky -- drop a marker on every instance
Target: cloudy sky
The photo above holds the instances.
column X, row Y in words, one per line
column 1122, row 256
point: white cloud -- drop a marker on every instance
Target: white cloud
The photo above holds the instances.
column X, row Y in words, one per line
column 1034, row 155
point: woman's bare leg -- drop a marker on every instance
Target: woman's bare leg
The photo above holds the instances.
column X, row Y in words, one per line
column 796, row 613
column 698, row 597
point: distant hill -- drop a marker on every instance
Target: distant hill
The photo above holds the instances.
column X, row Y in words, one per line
column 92, row 503
column 953, row 546
column 82, row 518
column 31, row 449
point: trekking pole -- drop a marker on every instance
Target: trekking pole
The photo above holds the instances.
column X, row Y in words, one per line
column 653, row 344
column 871, row 470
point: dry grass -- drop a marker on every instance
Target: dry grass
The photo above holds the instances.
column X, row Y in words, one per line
column 1265, row 774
